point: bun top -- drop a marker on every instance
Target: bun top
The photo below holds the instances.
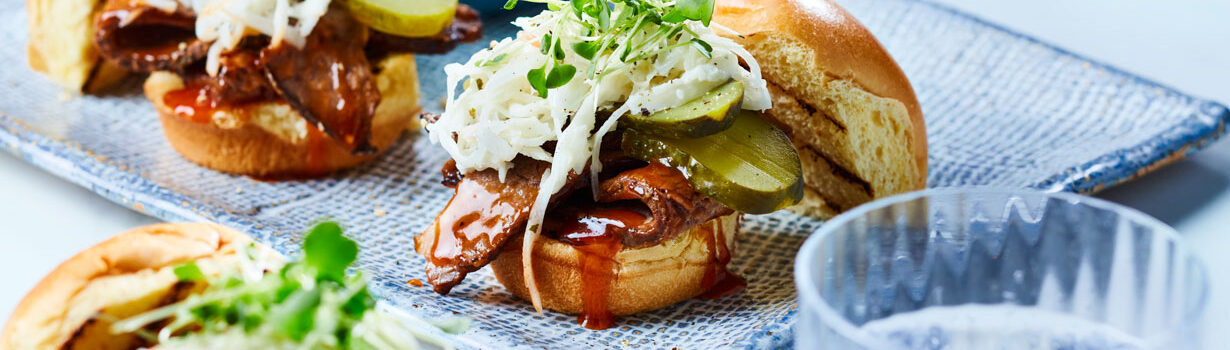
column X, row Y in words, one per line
column 120, row 277
column 838, row 43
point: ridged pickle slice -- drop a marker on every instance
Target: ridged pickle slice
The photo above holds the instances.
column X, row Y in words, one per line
column 750, row 167
column 706, row 115
column 411, row 18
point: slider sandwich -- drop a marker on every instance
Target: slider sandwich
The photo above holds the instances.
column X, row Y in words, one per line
column 257, row 87
column 204, row 286
column 602, row 158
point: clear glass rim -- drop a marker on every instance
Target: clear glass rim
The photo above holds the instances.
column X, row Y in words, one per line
column 807, row 286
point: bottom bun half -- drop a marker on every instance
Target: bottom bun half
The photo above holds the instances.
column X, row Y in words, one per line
column 644, row 279
column 272, row 140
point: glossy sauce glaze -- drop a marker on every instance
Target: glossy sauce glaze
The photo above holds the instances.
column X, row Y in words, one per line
column 314, row 161
column 198, row 101
column 596, row 234
column 475, row 211
column 484, row 213
column 192, row 102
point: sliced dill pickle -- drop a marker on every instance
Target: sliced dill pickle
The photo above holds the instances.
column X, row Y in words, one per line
column 706, row 115
column 750, row 167
column 409, row 18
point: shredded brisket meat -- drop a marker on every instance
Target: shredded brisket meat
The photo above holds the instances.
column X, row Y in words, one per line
column 675, row 206
column 142, row 38
column 642, row 205
column 482, row 215
column 329, row 81
column 240, row 79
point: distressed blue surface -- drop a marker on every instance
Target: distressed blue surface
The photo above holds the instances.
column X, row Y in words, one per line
column 1002, row 109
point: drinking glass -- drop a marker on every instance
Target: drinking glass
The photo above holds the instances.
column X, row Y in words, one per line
column 982, row 268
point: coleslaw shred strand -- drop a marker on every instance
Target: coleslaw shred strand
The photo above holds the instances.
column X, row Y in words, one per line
column 497, row 114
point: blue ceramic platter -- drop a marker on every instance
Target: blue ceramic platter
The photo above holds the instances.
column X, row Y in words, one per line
column 1002, row 109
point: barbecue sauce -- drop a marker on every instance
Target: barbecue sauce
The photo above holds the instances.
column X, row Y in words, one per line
column 463, row 230
column 316, row 148
column 198, row 103
column 191, row 102
column 595, row 235
column 597, row 272
column 718, row 282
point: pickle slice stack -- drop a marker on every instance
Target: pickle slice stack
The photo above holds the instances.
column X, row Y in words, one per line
column 750, row 167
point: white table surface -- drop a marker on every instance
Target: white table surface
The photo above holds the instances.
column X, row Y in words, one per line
column 1181, row 43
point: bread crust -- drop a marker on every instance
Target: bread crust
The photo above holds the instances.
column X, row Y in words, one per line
column 61, row 42
column 248, row 148
column 120, row 277
column 839, row 94
column 646, row 279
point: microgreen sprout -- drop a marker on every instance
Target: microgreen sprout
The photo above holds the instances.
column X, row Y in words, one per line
column 609, row 25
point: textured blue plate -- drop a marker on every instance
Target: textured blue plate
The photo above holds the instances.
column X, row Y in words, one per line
column 1001, row 109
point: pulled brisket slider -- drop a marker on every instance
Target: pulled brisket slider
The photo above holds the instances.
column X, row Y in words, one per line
column 256, row 87
column 602, row 157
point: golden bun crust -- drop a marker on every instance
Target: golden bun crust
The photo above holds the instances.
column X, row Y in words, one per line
column 61, row 43
column 646, row 279
column 844, row 102
column 120, row 277
column 272, row 140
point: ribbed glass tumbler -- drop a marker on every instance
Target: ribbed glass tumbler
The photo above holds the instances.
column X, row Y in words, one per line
column 997, row 269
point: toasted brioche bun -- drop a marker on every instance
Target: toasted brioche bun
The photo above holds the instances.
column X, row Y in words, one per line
column 61, row 44
column 271, row 139
column 645, row 279
column 844, row 102
column 74, row 306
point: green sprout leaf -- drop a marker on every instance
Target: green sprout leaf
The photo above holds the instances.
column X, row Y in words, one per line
column 653, row 17
column 546, row 44
column 578, row 6
column 326, row 249
column 189, row 272
column 357, row 305
column 604, row 16
column 559, row 51
column 560, row 75
column 703, row 47
column 538, row 80
column 510, row 4
column 696, row 10
column 585, row 49
column 296, row 316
